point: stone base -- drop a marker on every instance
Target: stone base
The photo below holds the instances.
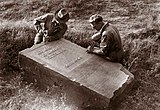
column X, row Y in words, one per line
column 87, row 81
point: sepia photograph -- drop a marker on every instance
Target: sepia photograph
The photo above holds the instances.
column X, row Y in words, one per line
column 79, row 54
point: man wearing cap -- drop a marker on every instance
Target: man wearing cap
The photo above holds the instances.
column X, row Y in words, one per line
column 107, row 41
column 50, row 26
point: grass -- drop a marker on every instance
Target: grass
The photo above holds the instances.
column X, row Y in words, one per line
column 144, row 63
column 17, row 33
column 14, row 38
column 18, row 96
column 20, row 9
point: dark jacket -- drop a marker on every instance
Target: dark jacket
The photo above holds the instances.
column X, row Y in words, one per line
column 54, row 28
column 110, row 43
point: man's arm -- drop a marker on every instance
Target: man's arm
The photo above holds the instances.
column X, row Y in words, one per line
column 103, row 48
column 96, row 50
column 39, row 20
column 96, row 37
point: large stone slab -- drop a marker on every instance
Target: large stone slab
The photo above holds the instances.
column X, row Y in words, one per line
column 87, row 80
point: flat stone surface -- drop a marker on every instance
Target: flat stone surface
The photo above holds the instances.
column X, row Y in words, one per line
column 69, row 62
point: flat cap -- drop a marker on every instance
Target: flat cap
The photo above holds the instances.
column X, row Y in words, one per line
column 95, row 18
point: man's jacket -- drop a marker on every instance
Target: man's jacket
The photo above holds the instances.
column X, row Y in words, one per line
column 53, row 27
column 110, row 42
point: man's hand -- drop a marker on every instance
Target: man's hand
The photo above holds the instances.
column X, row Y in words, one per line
column 95, row 50
column 90, row 49
column 38, row 27
column 46, row 39
column 45, row 33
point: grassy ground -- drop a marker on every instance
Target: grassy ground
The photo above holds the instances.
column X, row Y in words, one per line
column 137, row 20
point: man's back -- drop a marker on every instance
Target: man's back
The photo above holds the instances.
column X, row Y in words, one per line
column 113, row 37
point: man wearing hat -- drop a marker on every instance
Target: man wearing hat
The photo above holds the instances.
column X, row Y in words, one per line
column 107, row 41
column 51, row 27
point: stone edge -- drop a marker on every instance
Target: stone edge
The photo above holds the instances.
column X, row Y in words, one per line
column 116, row 99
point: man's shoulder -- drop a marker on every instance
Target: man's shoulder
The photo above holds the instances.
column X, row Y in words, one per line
column 49, row 15
column 110, row 28
column 108, row 31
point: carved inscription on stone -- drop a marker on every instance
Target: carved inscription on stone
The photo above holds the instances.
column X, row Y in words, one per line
column 73, row 62
column 50, row 53
column 63, row 60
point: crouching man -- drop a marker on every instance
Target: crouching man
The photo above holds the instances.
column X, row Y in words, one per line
column 51, row 26
column 107, row 41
